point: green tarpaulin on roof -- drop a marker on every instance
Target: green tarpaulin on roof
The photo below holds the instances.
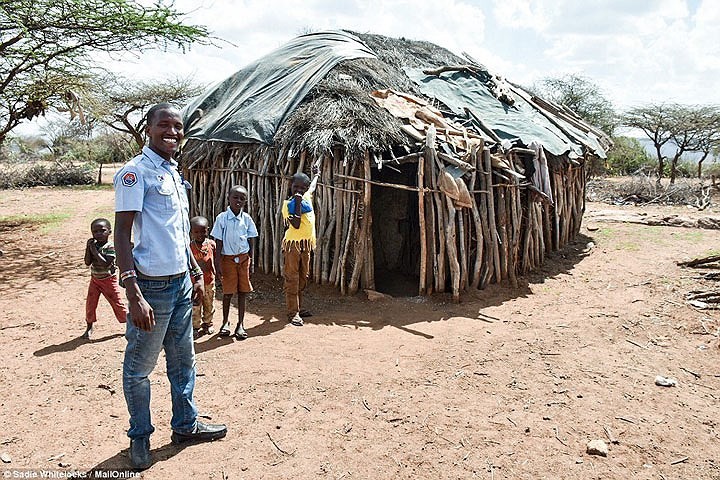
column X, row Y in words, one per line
column 521, row 120
column 250, row 105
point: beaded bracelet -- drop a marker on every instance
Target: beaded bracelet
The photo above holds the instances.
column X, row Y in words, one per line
column 196, row 272
column 127, row 274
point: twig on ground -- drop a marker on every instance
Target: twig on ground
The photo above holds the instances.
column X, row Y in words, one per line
column 18, row 325
column 557, row 435
column 610, row 435
column 624, row 419
column 694, row 374
column 278, row 447
column 365, row 404
column 679, row 460
column 635, row 343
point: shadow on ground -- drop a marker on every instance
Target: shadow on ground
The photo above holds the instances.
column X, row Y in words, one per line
column 332, row 309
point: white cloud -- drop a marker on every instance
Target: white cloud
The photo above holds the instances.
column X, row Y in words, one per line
column 637, row 51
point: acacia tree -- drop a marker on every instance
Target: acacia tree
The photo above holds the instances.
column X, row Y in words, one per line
column 583, row 96
column 121, row 103
column 709, row 142
column 46, row 47
column 656, row 122
column 686, row 132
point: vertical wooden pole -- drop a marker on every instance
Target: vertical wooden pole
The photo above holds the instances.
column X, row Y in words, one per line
column 421, row 218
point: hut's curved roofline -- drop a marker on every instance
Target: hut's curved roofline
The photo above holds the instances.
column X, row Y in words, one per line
column 314, row 93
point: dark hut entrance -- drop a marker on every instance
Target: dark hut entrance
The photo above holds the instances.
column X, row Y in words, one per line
column 396, row 231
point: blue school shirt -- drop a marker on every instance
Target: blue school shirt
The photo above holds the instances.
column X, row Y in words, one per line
column 151, row 186
column 234, row 232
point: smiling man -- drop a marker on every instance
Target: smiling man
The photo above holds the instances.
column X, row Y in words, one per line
column 162, row 280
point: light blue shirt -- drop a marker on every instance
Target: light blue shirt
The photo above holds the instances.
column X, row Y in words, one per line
column 151, row 186
column 234, row 232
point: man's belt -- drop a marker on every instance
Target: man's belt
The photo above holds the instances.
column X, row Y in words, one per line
column 162, row 278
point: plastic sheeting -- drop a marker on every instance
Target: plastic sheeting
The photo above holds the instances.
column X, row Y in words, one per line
column 521, row 120
column 250, row 105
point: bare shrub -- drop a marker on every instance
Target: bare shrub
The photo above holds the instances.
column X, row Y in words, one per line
column 644, row 190
column 32, row 174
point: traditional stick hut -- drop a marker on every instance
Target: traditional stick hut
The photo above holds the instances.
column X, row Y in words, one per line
column 433, row 170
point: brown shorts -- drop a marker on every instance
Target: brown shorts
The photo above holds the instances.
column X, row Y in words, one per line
column 236, row 273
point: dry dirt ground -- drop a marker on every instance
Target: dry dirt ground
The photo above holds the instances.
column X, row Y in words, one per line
column 508, row 384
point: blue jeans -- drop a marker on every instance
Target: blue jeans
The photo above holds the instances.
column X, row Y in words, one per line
column 172, row 305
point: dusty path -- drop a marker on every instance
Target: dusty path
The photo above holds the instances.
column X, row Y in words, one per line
column 400, row 388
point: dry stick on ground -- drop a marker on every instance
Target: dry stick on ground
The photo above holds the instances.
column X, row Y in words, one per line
column 610, row 435
column 18, row 326
column 680, row 460
column 625, row 419
column 557, row 435
column 696, row 375
column 700, row 261
column 635, row 343
column 278, row 447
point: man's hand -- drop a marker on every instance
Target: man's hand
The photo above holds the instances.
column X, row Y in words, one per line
column 141, row 313
column 198, row 291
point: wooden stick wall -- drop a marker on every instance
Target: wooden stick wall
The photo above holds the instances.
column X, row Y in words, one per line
column 507, row 231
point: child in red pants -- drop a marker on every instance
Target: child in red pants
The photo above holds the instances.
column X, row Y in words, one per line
column 100, row 256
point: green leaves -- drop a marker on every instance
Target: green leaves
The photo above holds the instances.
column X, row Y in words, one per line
column 47, row 47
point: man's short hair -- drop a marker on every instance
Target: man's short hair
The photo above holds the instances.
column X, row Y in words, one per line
column 150, row 116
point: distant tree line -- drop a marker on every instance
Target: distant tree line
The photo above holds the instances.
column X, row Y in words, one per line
column 681, row 129
column 48, row 50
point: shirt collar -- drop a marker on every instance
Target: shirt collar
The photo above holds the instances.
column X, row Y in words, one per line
column 156, row 159
column 231, row 214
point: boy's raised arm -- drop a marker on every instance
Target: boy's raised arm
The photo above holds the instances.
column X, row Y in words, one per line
column 316, row 174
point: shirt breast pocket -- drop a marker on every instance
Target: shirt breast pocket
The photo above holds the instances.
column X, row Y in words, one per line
column 166, row 194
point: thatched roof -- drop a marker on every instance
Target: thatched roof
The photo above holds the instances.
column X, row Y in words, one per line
column 338, row 108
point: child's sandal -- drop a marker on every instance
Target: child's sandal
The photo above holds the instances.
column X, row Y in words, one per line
column 224, row 330
column 240, row 334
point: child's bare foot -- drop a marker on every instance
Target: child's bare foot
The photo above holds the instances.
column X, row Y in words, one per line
column 240, row 333
column 88, row 332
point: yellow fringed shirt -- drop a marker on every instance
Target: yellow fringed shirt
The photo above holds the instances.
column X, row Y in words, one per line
column 303, row 237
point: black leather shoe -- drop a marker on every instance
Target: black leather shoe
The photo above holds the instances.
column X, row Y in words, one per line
column 140, row 453
column 203, row 433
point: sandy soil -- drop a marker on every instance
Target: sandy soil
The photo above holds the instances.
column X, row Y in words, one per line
column 508, row 384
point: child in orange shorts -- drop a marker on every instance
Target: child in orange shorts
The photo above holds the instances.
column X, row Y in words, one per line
column 234, row 232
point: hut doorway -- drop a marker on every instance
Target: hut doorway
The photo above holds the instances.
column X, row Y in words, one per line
column 396, row 231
